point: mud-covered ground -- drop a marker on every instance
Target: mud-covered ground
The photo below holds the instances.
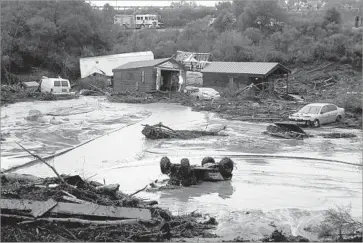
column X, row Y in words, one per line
column 278, row 183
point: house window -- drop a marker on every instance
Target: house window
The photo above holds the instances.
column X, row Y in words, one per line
column 142, row 76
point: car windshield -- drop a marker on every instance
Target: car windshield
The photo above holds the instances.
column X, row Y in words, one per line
column 310, row 109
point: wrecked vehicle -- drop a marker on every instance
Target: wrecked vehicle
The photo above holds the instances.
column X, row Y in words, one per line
column 317, row 114
column 286, row 130
column 186, row 175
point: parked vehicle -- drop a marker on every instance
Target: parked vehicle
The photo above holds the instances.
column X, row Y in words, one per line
column 55, row 85
column 317, row 114
column 202, row 93
column 139, row 21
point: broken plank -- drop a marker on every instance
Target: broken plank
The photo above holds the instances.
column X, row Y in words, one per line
column 102, row 211
column 73, row 220
column 75, row 200
column 34, row 208
column 78, row 209
column 47, row 205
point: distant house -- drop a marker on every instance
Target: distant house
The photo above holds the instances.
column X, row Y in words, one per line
column 193, row 61
column 103, row 65
column 237, row 75
column 148, row 76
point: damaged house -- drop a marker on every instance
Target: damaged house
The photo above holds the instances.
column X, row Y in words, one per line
column 193, row 61
column 149, row 76
column 266, row 76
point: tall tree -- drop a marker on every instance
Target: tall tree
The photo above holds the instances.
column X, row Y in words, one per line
column 265, row 15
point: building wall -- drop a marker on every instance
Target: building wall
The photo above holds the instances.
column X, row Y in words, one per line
column 131, row 80
column 222, row 81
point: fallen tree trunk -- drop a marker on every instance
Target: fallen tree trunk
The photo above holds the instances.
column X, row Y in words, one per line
column 160, row 131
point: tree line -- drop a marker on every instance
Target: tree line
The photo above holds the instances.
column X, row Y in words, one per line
column 53, row 35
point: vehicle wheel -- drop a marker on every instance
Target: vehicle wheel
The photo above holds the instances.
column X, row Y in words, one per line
column 308, row 124
column 226, row 167
column 185, row 167
column 316, row 123
column 165, row 165
column 207, row 160
column 339, row 119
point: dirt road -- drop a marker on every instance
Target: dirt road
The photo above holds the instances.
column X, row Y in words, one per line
column 285, row 191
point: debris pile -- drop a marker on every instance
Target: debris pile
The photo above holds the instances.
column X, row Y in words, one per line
column 338, row 135
column 160, row 131
column 16, row 93
column 286, row 130
column 279, row 236
column 68, row 208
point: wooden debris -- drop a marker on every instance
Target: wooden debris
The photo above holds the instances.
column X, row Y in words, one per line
column 112, row 188
column 160, row 131
column 45, row 162
column 27, row 220
column 286, row 130
column 90, row 209
column 338, row 135
column 47, row 206
column 75, row 200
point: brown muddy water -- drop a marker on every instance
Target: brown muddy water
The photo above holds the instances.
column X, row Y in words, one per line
column 277, row 183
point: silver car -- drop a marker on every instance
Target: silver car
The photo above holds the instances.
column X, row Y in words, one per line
column 317, row 114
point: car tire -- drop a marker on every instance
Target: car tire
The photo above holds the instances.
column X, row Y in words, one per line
column 226, row 167
column 165, row 165
column 338, row 119
column 308, row 124
column 185, row 167
column 316, row 123
column 207, row 160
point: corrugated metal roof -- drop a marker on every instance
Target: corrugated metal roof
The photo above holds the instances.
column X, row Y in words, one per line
column 139, row 64
column 258, row 68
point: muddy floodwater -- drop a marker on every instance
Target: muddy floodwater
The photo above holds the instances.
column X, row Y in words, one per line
column 277, row 183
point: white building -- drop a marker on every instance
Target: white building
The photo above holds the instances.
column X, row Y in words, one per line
column 105, row 64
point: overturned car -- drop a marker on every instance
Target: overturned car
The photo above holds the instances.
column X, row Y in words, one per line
column 184, row 174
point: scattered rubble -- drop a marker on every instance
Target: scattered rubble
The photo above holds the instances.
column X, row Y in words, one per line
column 286, row 130
column 72, row 209
column 160, row 131
column 279, row 236
column 16, row 93
column 338, row 135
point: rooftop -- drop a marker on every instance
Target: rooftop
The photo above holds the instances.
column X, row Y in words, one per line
column 140, row 64
column 257, row 68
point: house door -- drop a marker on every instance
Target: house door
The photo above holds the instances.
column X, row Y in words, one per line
column 169, row 80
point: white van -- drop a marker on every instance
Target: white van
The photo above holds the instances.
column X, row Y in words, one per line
column 55, row 85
